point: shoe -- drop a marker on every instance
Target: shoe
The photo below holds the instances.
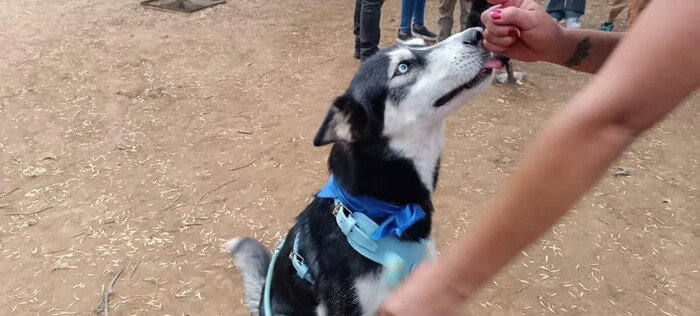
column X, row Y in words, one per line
column 607, row 26
column 423, row 32
column 404, row 37
column 368, row 53
column 573, row 23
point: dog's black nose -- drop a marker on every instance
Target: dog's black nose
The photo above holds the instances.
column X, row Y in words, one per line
column 472, row 36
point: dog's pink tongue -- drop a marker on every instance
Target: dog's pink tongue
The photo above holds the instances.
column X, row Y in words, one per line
column 493, row 63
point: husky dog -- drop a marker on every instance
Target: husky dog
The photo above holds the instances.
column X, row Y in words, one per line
column 387, row 132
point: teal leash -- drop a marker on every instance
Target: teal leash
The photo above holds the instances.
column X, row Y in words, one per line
column 267, row 306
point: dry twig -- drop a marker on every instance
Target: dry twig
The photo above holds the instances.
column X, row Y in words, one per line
column 30, row 213
column 243, row 166
column 621, row 172
column 219, row 187
column 104, row 301
column 136, row 266
column 9, row 192
column 173, row 203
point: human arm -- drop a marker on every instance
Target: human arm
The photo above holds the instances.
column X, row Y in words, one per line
column 522, row 30
column 654, row 68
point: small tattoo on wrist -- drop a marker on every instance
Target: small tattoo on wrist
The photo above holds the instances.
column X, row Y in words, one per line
column 580, row 53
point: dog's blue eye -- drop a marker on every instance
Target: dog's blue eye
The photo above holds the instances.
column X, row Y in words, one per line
column 402, row 69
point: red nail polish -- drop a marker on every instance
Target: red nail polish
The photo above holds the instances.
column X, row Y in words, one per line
column 496, row 14
column 513, row 32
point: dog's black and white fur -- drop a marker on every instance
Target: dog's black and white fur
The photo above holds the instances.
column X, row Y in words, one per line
column 387, row 132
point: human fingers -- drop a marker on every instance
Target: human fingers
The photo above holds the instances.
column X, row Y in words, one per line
column 522, row 19
column 507, row 3
column 501, row 30
column 494, row 48
column 503, row 41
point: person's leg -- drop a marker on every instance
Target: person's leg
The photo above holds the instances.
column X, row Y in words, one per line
column 474, row 17
column 356, row 27
column 577, row 8
column 616, row 7
column 407, row 8
column 419, row 12
column 446, row 18
column 555, row 9
column 464, row 7
column 574, row 10
column 418, row 28
column 370, row 17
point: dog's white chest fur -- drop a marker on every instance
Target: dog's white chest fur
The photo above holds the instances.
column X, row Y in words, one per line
column 371, row 290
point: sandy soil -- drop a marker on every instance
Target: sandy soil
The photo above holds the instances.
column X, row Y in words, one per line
column 141, row 140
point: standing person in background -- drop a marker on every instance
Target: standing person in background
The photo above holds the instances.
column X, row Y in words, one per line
column 446, row 19
column 412, row 22
column 617, row 7
column 636, row 7
column 571, row 10
column 368, row 14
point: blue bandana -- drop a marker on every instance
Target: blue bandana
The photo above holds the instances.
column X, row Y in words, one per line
column 398, row 217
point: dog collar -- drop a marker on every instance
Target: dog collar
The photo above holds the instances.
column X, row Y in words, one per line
column 396, row 218
column 376, row 242
column 401, row 255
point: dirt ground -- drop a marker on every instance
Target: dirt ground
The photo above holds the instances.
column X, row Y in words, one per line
column 139, row 140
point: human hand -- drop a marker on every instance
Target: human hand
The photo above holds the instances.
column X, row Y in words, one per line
column 426, row 291
column 522, row 30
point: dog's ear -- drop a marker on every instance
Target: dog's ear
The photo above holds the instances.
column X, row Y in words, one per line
column 338, row 124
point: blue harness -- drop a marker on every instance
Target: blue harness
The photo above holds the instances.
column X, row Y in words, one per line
column 376, row 242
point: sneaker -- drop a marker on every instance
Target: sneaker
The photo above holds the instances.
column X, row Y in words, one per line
column 607, row 26
column 403, row 36
column 573, row 23
column 424, row 33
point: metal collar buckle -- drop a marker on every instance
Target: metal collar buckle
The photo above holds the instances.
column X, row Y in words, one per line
column 295, row 256
column 339, row 207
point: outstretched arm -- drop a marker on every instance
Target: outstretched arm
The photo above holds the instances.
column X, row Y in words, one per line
column 521, row 29
column 654, row 68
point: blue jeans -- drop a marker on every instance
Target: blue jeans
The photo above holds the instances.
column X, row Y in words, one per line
column 560, row 9
column 411, row 11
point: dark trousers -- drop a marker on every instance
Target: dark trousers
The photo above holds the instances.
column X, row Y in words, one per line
column 560, row 9
column 367, row 16
column 478, row 7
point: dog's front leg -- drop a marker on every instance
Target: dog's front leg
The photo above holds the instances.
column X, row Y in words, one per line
column 339, row 299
